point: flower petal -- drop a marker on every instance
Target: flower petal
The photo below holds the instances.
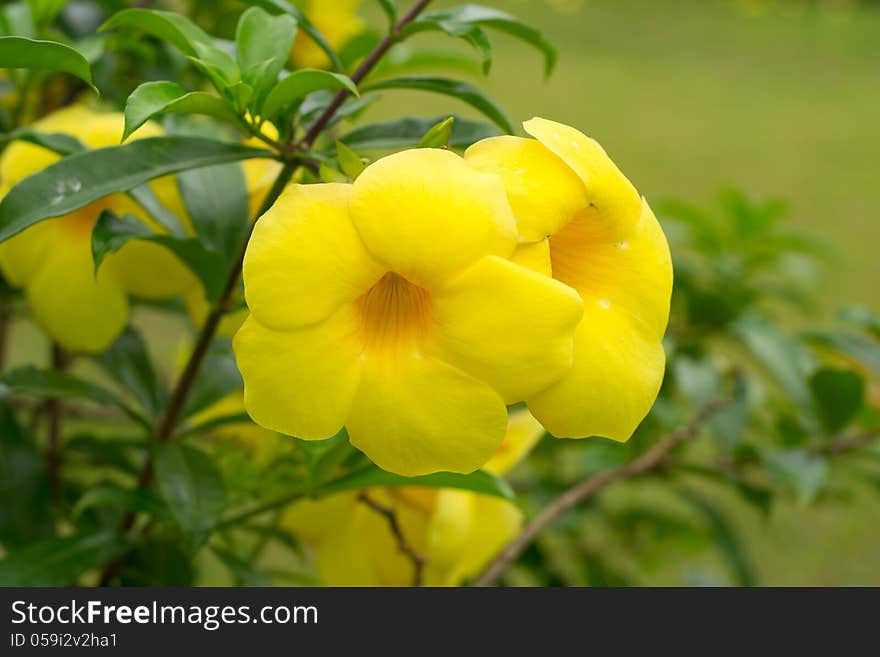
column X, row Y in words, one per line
column 506, row 325
column 523, row 433
column 21, row 256
column 300, row 382
column 534, row 256
column 543, row 190
column 414, row 415
column 305, row 259
column 610, row 196
column 75, row 309
column 149, row 270
column 615, row 379
column 426, row 214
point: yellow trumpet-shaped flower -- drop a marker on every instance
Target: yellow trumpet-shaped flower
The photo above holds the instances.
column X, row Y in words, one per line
column 456, row 532
column 52, row 260
column 337, row 20
column 581, row 221
column 389, row 306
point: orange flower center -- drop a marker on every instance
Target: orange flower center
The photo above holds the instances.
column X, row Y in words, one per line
column 583, row 255
column 395, row 314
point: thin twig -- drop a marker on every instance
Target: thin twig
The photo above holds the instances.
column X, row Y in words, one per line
column 403, row 545
column 846, row 444
column 650, row 461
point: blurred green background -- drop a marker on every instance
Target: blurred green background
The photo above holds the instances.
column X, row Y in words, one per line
column 779, row 99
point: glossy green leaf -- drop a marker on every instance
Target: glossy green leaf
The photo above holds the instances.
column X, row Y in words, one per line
column 157, row 562
column 263, row 44
column 838, row 395
column 300, row 84
column 408, row 132
column 216, row 199
column 438, row 136
column 47, row 383
column 242, row 570
column 284, row 7
column 469, row 32
column 81, row 178
column 857, row 347
column 192, row 488
column 154, row 98
column 127, row 362
column 112, row 232
column 390, row 9
column 460, row 90
column 457, row 18
column 54, row 141
column 480, row 481
column 117, row 497
column 350, row 162
column 218, row 378
column 25, row 506
column 20, row 52
column 60, row 561
column 45, row 11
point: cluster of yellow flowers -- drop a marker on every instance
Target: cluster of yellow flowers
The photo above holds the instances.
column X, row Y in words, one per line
column 415, row 304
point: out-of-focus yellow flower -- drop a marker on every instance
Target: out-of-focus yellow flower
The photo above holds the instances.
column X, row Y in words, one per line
column 389, row 306
column 337, row 20
column 456, row 532
column 52, row 260
column 260, row 442
column 583, row 222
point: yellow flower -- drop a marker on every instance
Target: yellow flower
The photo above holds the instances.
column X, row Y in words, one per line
column 336, row 20
column 389, row 306
column 456, row 532
column 52, row 260
column 583, row 222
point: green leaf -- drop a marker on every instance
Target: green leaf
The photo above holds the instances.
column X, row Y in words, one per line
column 127, row 362
column 283, row 7
column 81, row 178
column 784, row 357
column 178, row 31
column 117, row 497
column 112, row 232
column 244, row 572
column 350, row 162
column 861, row 349
column 457, row 19
column 329, row 174
column 324, row 457
column 805, row 473
column 60, row 561
column 25, row 506
column 480, row 481
column 861, row 316
column 192, row 488
column 152, row 98
column 20, row 52
column 45, row 11
column 54, row 141
column 460, row 90
column 439, row 134
column 408, row 132
column 472, row 34
column 52, row 384
column 300, row 84
column 390, row 9
column 157, row 562
column 263, row 44
column 838, row 394
column 16, row 19
column 218, row 378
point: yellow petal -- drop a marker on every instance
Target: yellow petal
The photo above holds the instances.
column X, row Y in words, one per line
column 534, row 256
column 615, row 379
column 629, row 271
column 449, row 529
column 149, row 270
column 523, row 433
column 75, row 310
column 23, row 255
column 543, row 190
column 426, row 214
column 260, row 173
column 414, row 415
column 300, row 382
column 317, row 520
column 305, row 260
column 611, row 197
column 506, row 325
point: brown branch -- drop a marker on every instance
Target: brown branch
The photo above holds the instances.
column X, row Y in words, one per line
column 846, row 444
column 403, row 546
column 362, row 71
column 55, row 412
column 652, row 460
